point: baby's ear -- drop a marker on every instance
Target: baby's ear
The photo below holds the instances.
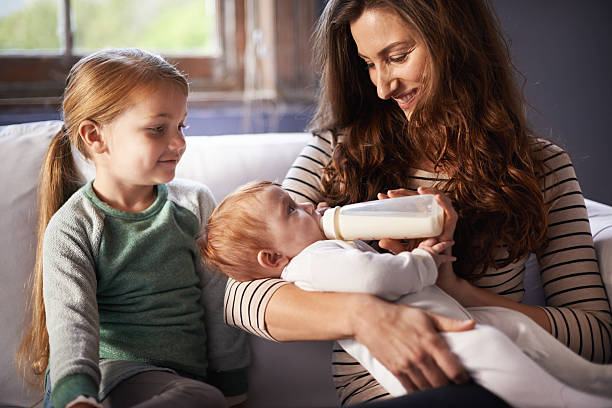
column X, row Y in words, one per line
column 271, row 259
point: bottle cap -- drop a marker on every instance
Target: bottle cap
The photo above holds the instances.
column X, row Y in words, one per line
column 328, row 223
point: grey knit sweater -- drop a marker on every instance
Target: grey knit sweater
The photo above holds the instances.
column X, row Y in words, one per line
column 131, row 287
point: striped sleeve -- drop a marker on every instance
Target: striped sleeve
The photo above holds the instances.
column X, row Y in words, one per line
column 246, row 302
column 577, row 304
column 303, row 180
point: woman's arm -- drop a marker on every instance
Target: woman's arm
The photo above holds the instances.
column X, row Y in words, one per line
column 406, row 340
column 577, row 310
column 469, row 296
column 464, row 292
column 577, row 305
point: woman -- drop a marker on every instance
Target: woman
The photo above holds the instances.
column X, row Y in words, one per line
column 421, row 93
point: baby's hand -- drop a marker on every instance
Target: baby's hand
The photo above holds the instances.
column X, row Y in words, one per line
column 322, row 207
column 435, row 249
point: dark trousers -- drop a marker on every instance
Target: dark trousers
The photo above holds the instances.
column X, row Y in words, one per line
column 452, row 396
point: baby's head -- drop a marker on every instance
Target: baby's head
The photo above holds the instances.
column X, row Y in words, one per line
column 256, row 230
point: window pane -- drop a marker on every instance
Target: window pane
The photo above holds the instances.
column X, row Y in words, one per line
column 28, row 25
column 170, row 27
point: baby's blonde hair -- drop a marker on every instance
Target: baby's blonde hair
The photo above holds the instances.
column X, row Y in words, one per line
column 235, row 233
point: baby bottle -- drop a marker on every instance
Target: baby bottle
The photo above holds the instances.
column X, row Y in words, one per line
column 417, row 216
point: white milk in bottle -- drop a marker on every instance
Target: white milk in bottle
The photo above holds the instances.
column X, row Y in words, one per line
column 417, row 216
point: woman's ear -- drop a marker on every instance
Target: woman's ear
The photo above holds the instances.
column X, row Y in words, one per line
column 90, row 133
column 270, row 259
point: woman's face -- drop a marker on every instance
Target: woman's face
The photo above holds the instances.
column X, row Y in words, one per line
column 395, row 56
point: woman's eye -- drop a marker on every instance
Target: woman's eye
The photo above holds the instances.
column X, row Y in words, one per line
column 398, row 58
column 290, row 209
column 183, row 127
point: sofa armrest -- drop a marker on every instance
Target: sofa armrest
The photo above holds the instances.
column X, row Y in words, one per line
column 600, row 218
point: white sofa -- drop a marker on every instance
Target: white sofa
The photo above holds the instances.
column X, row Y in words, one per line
column 282, row 375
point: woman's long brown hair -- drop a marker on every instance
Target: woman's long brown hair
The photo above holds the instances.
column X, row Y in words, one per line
column 97, row 89
column 469, row 122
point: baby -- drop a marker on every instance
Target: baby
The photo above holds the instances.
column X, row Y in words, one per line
column 259, row 231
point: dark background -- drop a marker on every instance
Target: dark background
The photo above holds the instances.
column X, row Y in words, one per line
column 562, row 47
column 564, row 50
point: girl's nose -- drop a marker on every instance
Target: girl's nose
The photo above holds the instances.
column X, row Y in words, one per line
column 178, row 141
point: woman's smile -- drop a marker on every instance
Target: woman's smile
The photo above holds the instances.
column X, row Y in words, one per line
column 394, row 54
column 406, row 99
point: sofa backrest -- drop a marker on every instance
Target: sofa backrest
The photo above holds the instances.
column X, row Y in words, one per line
column 221, row 162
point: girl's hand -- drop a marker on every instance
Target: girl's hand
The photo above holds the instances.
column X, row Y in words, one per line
column 407, row 341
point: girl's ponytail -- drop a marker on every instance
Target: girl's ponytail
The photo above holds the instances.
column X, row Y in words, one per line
column 58, row 181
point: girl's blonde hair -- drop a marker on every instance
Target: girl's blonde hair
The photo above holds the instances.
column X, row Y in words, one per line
column 98, row 88
column 235, row 233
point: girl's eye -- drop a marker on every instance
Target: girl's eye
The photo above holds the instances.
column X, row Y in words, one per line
column 290, row 209
column 157, row 129
column 183, row 127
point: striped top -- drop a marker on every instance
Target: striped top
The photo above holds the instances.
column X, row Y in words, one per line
column 576, row 301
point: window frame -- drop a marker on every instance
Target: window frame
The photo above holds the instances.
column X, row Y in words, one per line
column 33, row 78
column 30, row 82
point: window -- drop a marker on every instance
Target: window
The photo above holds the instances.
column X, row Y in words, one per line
column 41, row 39
column 230, row 49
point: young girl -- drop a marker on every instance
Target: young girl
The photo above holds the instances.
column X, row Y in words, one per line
column 123, row 311
column 260, row 232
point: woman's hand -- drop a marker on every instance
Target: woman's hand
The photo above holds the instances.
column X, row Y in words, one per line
column 407, row 341
column 396, row 246
column 450, row 219
column 450, row 215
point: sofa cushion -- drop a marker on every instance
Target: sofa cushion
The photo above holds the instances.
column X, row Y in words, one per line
column 21, row 150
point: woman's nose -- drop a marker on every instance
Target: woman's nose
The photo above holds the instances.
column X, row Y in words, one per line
column 386, row 83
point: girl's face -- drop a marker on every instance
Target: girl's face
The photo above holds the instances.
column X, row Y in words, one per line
column 395, row 56
column 145, row 142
